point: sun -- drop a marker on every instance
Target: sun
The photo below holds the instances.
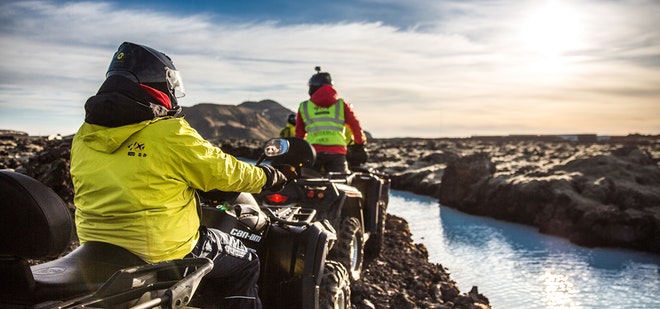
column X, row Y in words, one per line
column 551, row 29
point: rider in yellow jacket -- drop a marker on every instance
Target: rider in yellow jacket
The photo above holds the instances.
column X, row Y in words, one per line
column 159, row 163
column 136, row 167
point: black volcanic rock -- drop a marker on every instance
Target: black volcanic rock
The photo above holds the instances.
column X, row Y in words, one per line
column 468, row 175
column 402, row 277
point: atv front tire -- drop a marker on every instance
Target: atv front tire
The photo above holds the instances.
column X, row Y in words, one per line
column 335, row 289
column 349, row 249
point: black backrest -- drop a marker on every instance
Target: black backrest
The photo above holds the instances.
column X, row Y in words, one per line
column 34, row 221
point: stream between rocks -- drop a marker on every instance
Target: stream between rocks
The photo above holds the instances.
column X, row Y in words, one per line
column 518, row 267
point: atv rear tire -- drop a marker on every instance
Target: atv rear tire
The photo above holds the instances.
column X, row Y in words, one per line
column 335, row 289
column 349, row 249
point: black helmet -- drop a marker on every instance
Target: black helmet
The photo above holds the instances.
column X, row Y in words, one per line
column 147, row 66
column 319, row 79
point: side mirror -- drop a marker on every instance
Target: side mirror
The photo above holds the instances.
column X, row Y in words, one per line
column 276, row 147
column 293, row 151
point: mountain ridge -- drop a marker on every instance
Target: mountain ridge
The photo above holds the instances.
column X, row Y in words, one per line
column 255, row 120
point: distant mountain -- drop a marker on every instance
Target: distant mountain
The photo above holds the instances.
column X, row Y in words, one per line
column 249, row 120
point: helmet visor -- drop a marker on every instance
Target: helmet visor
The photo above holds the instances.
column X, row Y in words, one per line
column 175, row 82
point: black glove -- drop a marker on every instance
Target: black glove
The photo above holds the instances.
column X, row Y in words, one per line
column 356, row 154
column 288, row 171
column 277, row 177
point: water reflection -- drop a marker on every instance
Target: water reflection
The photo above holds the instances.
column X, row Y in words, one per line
column 558, row 289
column 517, row 267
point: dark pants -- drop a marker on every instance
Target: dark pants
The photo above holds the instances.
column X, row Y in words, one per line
column 235, row 268
column 330, row 163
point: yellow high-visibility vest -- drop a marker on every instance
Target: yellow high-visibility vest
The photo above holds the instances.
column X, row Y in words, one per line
column 324, row 125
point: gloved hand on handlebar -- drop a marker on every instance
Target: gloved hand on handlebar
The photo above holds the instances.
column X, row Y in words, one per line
column 356, row 154
column 288, row 171
column 278, row 176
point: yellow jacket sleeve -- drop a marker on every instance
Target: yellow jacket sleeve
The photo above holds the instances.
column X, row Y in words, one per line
column 207, row 167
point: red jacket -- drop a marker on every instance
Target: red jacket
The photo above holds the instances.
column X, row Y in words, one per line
column 326, row 96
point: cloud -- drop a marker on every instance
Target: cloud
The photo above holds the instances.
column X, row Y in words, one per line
column 461, row 69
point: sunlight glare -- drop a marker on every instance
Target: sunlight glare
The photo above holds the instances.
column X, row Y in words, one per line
column 551, row 29
column 559, row 289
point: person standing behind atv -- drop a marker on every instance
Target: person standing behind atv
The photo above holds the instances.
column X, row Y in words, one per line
column 321, row 120
column 136, row 168
column 290, row 128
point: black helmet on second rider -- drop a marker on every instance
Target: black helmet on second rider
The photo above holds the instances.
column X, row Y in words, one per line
column 150, row 67
column 319, row 79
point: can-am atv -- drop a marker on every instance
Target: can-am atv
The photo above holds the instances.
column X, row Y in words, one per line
column 355, row 204
column 291, row 242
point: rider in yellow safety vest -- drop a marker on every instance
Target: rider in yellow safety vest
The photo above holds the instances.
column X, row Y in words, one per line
column 322, row 119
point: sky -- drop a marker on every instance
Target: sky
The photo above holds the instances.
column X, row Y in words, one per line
column 413, row 68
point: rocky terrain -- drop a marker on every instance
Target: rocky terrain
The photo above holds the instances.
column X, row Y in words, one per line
column 401, row 277
column 595, row 193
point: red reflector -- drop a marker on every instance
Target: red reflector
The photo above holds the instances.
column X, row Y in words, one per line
column 277, row 198
column 310, row 194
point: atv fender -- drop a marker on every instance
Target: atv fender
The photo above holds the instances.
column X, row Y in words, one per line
column 320, row 238
column 375, row 191
column 351, row 205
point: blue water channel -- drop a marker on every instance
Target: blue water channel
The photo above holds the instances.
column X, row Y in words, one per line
column 517, row 267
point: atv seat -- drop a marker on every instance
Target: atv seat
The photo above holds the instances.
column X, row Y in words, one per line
column 82, row 271
column 37, row 224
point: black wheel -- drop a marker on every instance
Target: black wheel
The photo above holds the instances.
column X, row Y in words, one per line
column 349, row 249
column 375, row 243
column 335, row 289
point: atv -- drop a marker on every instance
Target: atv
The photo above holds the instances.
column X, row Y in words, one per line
column 292, row 244
column 355, row 204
